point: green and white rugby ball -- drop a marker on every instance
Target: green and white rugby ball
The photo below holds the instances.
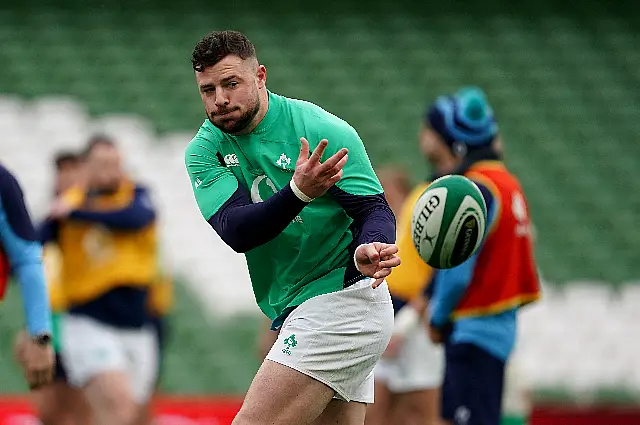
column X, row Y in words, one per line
column 449, row 221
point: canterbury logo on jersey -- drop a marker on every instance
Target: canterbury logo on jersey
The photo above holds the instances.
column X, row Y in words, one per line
column 231, row 160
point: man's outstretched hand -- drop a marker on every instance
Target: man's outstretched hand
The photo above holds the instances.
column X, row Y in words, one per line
column 376, row 260
column 314, row 178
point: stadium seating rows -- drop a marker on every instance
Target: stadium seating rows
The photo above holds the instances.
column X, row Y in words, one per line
column 564, row 86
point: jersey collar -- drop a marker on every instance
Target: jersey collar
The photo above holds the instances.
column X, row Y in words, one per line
column 272, row 115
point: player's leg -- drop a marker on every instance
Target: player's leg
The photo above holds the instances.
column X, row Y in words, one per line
column 49, row 402
column 61, row 404
column 339, row 412
column 143, row 354
column 158, row 325
column 281, row 395
column 490, row 382
column 79, row 405
column 140, row 351
column 379, row 412
column 472, row 390
column 322, row 352
column 111, row 399
column 95, row 361
column 146, row 412
column 417, row 408
column 417, row 379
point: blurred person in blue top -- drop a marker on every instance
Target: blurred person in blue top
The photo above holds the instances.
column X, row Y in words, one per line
column 106, row 233
column 58, row 403
column 474, row 305
column 21, row 256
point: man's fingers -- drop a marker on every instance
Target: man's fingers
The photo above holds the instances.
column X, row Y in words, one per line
column 377, row 283
column 334, row 160
column 338, row 167
column 392, row 262
column 389, row 250
column 382, row 273
column 304, row 150
column 371, row 253
column 333, row 180
column 318, row 151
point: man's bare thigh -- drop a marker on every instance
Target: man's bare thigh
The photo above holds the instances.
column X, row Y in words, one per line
column 340, row 412
column 280, row 395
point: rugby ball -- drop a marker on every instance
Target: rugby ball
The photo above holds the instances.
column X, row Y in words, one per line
column 449, row 221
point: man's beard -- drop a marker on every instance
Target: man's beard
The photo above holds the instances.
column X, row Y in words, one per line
column 241, row 123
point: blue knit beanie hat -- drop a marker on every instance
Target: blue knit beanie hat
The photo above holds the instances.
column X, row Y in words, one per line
column 464, row 120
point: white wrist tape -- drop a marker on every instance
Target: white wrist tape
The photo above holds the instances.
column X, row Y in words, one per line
column 406, row 319
column 298, row 192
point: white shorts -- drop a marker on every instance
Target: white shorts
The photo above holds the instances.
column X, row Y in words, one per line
column 338, row 338
column 418, row 366
column 90, row 347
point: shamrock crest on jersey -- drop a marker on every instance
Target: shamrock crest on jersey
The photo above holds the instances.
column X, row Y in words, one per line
column 283, row 161
column 289, row 343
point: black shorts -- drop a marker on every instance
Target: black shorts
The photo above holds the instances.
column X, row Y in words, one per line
column 473, row 384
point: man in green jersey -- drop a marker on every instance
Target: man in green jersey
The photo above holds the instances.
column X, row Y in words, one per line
column 316, row 230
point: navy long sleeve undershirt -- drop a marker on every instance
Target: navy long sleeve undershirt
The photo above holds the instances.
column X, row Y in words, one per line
column 245, row 226
column 373, row 221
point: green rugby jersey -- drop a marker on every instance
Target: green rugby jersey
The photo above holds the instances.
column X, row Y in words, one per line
column 310, row 256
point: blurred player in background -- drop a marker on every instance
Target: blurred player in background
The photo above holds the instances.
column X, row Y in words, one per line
column 409, row 375
column 317, row 233
column 160, row 303
column 21, row 255
column 58, row 403
column 474, row 305
column 107, row 238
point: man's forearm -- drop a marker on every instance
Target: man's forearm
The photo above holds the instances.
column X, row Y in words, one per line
column 245, row 226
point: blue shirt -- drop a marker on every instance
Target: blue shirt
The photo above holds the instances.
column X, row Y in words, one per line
column 496, row 333
column 24, row 253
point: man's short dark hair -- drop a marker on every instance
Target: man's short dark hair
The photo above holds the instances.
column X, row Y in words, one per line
column 217, row 45
column 97, row 140
column 64, row 158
